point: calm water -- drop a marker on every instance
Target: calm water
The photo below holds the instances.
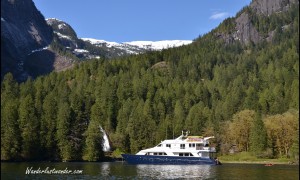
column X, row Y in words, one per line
column 121, row 170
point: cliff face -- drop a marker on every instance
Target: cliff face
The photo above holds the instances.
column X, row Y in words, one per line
column 268, row 7
column 23, row 30
column 65, row 40
column 245, row 31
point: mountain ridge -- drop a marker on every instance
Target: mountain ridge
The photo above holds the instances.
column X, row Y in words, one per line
column 30, row 34
column 90, row 48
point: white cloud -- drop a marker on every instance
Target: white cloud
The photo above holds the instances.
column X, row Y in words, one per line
column 219, row 15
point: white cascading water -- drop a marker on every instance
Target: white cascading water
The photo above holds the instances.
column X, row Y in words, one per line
column 106, row 146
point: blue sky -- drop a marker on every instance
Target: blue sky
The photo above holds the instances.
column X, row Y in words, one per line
column 147, row 20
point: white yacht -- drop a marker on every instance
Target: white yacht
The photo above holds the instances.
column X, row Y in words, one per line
column 183, row 150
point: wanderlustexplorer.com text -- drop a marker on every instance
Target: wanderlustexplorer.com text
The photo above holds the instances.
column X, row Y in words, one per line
column 47, row 170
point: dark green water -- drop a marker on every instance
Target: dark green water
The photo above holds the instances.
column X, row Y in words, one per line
column 121, row 170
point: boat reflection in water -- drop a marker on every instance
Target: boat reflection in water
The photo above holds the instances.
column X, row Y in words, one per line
column 151, row 171
column 174, row 171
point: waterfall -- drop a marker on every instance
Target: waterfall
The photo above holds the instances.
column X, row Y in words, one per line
column 106, row 146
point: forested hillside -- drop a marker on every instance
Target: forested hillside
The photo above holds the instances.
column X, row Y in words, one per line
column 246, row 95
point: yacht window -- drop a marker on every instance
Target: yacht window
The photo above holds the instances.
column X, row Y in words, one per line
column 168, row 145
column 154, row 153
column 185, row 154
column 192, row 145
column 159, row 153
column 199, row 146
column 165, row 153
column 182, row 146
column 159, row 145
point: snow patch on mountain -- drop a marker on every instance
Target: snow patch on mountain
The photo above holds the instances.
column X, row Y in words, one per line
column 136, row 47
column 37, row 50
column 81, row 51
column 62, row 26
column 159, row 45
column 62, row 36
column 100, row 42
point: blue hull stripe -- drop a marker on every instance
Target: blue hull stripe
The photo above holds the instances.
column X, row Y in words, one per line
column 149, row 159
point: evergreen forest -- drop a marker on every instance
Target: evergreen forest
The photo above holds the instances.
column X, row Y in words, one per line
column 247, row 96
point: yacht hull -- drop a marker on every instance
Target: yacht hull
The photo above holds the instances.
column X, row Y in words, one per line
column 150, row 159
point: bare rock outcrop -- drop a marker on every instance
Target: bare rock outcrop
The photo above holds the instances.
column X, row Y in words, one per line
column 23, row 30
column 246, row 32
column 267, row 7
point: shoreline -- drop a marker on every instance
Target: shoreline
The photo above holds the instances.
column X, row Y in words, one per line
column 223, row 162
column 263, row 162
column 274, row 162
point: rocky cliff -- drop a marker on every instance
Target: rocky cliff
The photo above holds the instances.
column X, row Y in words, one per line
column 23, row 30
column 64, row 32
column 66, row 40
column 268, row 7
column 254, row 23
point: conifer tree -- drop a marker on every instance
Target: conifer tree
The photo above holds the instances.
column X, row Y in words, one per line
column 10, row 133
column 93, row 142
column 29, row 126
column 258, row 135
column 63, row 132
column 48, row 126
column 179, row 119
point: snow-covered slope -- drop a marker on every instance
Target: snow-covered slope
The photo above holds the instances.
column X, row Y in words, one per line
column 159, row 45
column 100, row 42
column 136, row 47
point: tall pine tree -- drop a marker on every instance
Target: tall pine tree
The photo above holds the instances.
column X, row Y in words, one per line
column 258, row 135
column 29, row 126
